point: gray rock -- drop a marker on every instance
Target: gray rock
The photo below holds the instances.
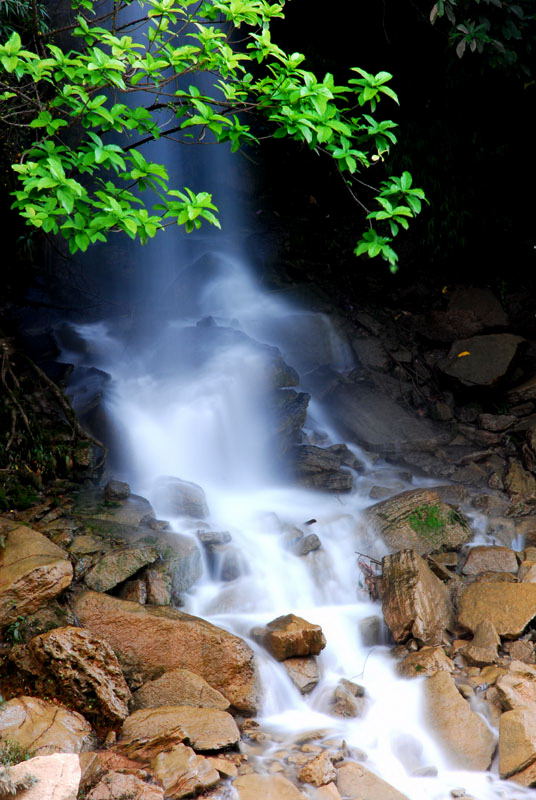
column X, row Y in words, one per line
column 487, row 360
column 289, row 410
column 308, row 544
column 482, row 303
column 117, row 565
column 213, row 538
column 317, row 468
column 116, row 490
column 177, row 498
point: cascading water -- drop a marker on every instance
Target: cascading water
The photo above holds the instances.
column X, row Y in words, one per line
column 189, row 397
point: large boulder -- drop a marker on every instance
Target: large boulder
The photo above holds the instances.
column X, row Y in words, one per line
column 481, row 361
column 57, row 777
column 183, row 773
column 290, row 636
column 42, row 727
column 150, row 639
column 149, row 731
column 174, row 497
column 467, row 740
column 32, row 571
column 415, row 602
column 118, row 565
column 267, row 787
column 320, row 468
column 517, row 741
column 508, row 606
column 83, row 667
column 356, row 782
column 318, row 771
column 179, row 687
column 490, row 559
column 420, row 520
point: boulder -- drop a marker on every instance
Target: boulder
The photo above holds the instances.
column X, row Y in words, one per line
column 424, row 662
column 467, row 740
column 481, row 360
column 115, row 491
column 517, row 688
column 150, row 639
column 159, row 584
column 415, row 602
column 290, row 636
column 136, row 591
column 83, row 667
column 517, row 741
column 483, row 649
column 267, row 787
column 520, row 483
column 128, row 513
column 420, row 520
column 174, row 497
column 182, row 773
column 318, row 771
column 303, row 672
column 118, row 565
column 348, row 699
column 42, row 727
column 319, row 468
column 524, row 392
column 482, row 303
column 356, row 782
column 289, row 411
column 508, row 606
column 57, row 777
column 32, row 571
column 149, row 731
column 121, row 786
column 179, row 687
column 496, row 422
column 490, row 559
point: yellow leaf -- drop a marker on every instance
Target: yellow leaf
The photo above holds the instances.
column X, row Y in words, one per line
column 463, row 353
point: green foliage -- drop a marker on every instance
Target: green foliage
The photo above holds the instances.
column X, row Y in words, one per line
column 14, row 631
column 12, row 753
column 84, row 175
column 428, row 522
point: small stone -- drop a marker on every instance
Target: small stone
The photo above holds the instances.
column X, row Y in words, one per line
column 483, row 649
column 183, row 773
column 118, row 786
column 116, row 490
column 303, row 672
column 318, row 771
column 425, row 662
column 348, row 699
column 290, row 636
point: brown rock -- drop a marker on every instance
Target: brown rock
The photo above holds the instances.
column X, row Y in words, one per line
column 318, row 771
column 415, row 603
column 509, row 606
column 519, row 483
column 420, row 520
column 267, row 787
column 225, row 767
column 95, row 765
column 527, row 572
column 42, row 727
column 355, row 782
column 490, row 559
column 303, row 672
column 159, row 585
column 135, row 591
column 488, row 359
column 526, row 391
column 496, row 422
column 32, row 571
column 526, row 777
column 290, row 636
column 327, row 792
column 118, row 565
column 424, row 662
column 464, row 735
column 84, row 667
column 517, row 688
column 517, row 741
column 348, row 699
column 117, row 785
column 179, row 687
column 483, row 649
column 149, row 731
column 521, row 650
column 152, row 638
column 183, row 773
column 57, row 776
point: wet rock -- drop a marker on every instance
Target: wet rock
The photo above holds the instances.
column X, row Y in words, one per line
column 348, row 699
column 415, row 603
column 116, row 490
column 487, row 360
column 355, row 782
column 149, row 731
column 517, row 741
column 289, row 409
column 227, row 563
column 307, row 544
column 181, row 557
column 318, row 771
column 179, row 687
column 464, row 735
column 87, row 544
column 508, row 606
column 118, row 565
column 371, row 631
column 517, row 688
column 182, row 773
column 150, row 639
column 319, row 468
column 117, row 785
column 267, row 787
column 303, row 672
column 42, row 727
column 519, row 483
column 33, row 570
column 490, row 559
column 290, row 636
column 424, row 662
column 121, row 513
column 177, row 498
column 483, row 649
column 83, row 666
column 371, row 353
column 212, row 538
column 57, row 777
column 420, row 520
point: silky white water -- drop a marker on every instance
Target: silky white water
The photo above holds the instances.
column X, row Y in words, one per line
column 206, row 421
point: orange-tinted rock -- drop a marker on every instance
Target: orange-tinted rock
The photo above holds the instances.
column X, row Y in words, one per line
column 57, row 777
column 179, row 687
column 318, row 771
column 508, row 606
column 183, row 773
column 117, row 785
column 490, row 559
column 517, row 741
column 266, row 787
column 42, row 727
column 355, row 782
column 291, row 636
column 424, row 662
